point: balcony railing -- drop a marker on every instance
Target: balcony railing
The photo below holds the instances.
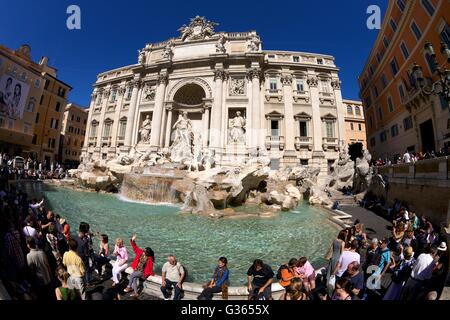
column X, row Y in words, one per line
column 275, row 142
column 303, row 142
column 274, row 93
column 106, row 141
column 330, row 142
column 304, row 95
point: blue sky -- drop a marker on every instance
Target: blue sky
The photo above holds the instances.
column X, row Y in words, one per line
column 112, row 32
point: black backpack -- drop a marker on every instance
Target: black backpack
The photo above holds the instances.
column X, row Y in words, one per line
column 283, row 266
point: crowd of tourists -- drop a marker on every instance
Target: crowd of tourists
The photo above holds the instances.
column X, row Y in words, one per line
column 17, row 168
column 412, row 157
column 42, row 257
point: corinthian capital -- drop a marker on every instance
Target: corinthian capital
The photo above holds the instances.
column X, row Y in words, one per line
column 136, row 83
column 219, row 74
column 336, row 84
column 254, row 73
column 121, row 91
column 312, row 81
column 286, row 79
column 163, row 78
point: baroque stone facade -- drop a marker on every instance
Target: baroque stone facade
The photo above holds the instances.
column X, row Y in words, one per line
column 224, row 93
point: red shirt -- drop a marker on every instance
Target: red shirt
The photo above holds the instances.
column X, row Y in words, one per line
column 67, row 231
column 148, row 270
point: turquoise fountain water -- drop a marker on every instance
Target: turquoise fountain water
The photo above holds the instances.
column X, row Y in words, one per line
column 197, row 241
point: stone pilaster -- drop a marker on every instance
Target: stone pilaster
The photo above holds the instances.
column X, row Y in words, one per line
column 289, row 152
column 254, row 75
column 205, row 120
column 89, row 124
column 115, row 128
column 132, row 111
column 216, row 117
column 340, row 112
column 318, row 156
column 158, row 110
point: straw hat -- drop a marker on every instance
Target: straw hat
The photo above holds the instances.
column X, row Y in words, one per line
column 62, row 221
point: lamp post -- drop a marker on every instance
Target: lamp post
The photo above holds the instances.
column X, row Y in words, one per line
column 442, row 86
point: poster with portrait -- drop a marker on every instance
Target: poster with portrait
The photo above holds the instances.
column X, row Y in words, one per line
column 13, row 96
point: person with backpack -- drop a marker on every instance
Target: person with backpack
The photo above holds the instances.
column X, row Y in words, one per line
column 286, row 273
column 260, row 278
column 173, row 275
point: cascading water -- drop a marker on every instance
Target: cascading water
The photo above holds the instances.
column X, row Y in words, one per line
column 149, row 188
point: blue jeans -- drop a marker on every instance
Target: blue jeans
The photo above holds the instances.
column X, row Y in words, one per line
column 168, row 286
column 134, row 279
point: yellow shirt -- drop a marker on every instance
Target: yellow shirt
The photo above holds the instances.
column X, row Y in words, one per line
column 74, row 264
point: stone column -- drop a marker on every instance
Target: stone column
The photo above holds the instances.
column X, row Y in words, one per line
column 340, row 112
column 168, row 126
column 205, row 120
column 289, row 135
column 131, row 111
column 254, row 75
column 158, row 110
column 216, row 112
column 163, row 127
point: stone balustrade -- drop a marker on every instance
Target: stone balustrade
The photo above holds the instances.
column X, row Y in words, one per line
column 430, row 169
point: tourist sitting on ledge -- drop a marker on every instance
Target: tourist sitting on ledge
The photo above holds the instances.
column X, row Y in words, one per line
column 142, row 267
column 307, row 274
column 286, row 273
column 172, row 277
column 121, row 253
column 260, row 278
column 102, row 257
column 218, row 282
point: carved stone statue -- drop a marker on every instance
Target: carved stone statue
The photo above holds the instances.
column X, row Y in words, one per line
column 168, row 50
column 198, row 29
column 237, row 126
column 220, row 45
column 181, row 148
column 141, row 58
column 253, row 46
column 237, row 87
column 197, row 154
column 145, row 130
column 149, row 93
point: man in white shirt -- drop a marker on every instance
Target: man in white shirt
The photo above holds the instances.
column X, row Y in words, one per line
column 29, row 231
column 347, row 257
column 172, row 276
column 407, row 157
column 422, row 271
column 34, row 205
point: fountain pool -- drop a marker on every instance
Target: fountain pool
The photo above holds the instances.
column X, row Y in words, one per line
column 197, row 241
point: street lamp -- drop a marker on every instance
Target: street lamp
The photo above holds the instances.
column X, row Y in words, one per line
column 442, row 86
